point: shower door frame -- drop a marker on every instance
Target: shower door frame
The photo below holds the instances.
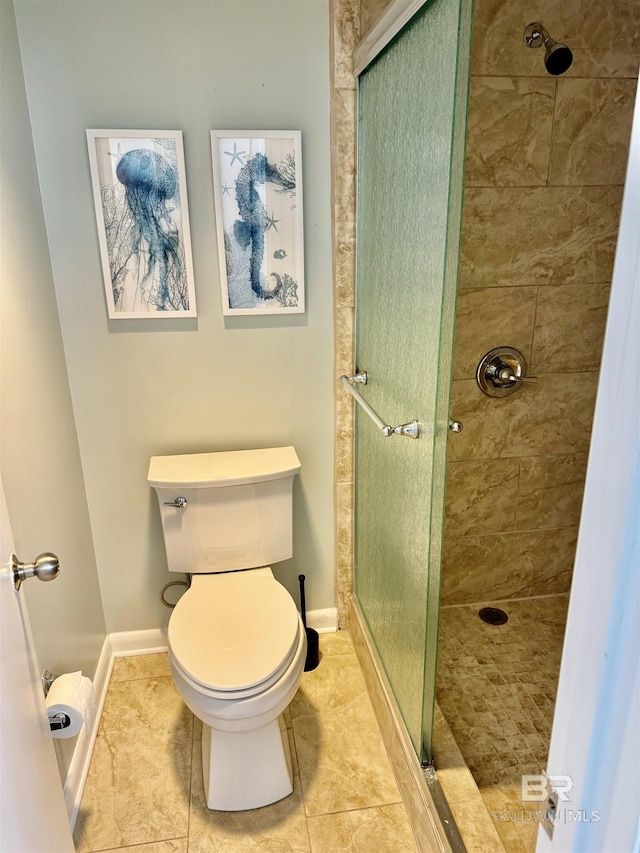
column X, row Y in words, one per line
column 397, row 16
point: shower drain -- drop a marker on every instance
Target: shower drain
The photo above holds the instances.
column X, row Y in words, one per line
column 493, row 616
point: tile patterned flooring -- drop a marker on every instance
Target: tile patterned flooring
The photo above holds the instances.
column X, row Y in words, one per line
column 496, row 687
column 144, row 791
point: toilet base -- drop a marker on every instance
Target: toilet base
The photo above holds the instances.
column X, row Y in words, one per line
column 246, row 770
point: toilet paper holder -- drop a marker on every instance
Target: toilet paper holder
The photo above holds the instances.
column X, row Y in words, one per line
column 70, row 701
column 59, row 721
column 56, row 721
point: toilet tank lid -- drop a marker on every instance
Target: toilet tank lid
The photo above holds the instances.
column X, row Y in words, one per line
column 227, row 468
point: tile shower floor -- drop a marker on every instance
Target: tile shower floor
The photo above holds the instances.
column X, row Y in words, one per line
column 144, row 791
column 496, row 688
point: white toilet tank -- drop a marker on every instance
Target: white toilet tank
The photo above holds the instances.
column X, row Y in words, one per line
column 238, row 512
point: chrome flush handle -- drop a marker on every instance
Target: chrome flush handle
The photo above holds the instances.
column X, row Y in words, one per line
column 179, row 503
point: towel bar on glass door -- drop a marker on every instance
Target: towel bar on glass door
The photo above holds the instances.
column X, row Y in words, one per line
column 411, row 429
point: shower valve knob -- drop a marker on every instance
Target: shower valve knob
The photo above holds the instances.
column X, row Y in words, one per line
column 505, row 375
column 501, row 371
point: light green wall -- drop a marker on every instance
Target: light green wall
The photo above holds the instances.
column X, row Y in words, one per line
column 169, row 386
column 41, row 467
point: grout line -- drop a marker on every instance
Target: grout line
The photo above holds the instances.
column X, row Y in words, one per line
column 451, row 538
column 517, row 508
column 189, row 798
column 358, row 809
column 545, row 76
column 140, row 844
column 139, row 678
column 521, row 598
column 543, row 186
column 553, row 133
column 533, row 329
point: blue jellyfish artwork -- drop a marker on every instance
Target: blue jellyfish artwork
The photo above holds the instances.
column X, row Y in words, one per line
column 259, row 193
column 143, row 224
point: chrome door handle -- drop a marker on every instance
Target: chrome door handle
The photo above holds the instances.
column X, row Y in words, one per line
column 45, row 567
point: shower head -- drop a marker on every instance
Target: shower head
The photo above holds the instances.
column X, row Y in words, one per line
column 557, row 57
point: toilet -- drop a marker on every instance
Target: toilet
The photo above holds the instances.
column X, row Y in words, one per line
column 236, row 641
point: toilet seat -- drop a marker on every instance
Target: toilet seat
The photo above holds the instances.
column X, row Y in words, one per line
column 232, row 635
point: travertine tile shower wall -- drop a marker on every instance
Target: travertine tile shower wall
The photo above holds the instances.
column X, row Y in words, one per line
column 546, row 161
column 344, row 34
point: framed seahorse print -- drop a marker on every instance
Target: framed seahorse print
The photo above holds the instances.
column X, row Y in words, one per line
column 257, row 176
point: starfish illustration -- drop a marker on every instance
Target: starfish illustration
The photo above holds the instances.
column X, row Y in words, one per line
column 271, row 222
column 225, row 189
column 235, row 155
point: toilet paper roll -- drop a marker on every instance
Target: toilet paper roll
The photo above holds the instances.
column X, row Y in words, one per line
column 73, row 695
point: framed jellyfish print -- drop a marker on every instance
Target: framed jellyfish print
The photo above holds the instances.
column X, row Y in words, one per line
column 257, row 176
column 140, row 197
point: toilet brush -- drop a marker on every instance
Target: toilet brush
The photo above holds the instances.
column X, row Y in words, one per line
column 313, row 648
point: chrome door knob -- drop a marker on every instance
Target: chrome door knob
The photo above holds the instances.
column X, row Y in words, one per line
column 45, row 567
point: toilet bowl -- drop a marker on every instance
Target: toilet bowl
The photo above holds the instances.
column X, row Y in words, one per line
column 237, row 645
column 237, row 670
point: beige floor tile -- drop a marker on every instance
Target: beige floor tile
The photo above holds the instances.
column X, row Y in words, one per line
column 343, row 763
column 137, row 790
column 510, row 838
column 140, row 666
column 527, row 830
column 336, row 643
column 145, row 790
column 385, row 829
column 332, row 686
column 280, row 827
column 476, row 827
column 175, row 845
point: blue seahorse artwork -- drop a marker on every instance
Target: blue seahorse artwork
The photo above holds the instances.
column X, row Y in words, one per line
column 144, row 227
column 258, row 202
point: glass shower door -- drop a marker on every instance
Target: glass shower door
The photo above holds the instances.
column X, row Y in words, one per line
column 412, row 108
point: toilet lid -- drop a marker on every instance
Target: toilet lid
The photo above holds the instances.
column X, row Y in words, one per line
column 234, row 631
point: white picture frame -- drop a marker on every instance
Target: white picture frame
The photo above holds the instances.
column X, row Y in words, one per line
column 257, row 177
column 140, row 197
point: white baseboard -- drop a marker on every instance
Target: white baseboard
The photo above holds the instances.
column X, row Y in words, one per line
column 129, row 643
column 79, row 765
column 323, row 621
column 115, row 645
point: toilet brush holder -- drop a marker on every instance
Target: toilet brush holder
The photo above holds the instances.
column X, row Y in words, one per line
column 313, row 640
